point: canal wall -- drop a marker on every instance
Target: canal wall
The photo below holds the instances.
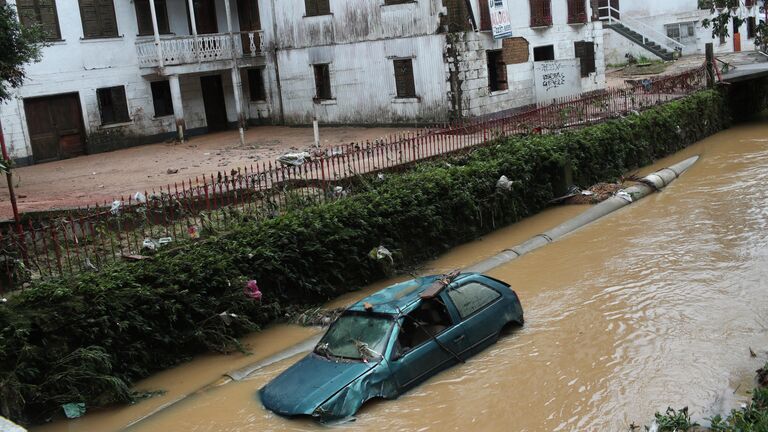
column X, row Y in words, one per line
column 86, row 338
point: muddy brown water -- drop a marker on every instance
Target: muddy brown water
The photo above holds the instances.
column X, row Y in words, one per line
column 654, row 305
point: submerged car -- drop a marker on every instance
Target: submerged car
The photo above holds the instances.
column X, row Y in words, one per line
column 391, row 341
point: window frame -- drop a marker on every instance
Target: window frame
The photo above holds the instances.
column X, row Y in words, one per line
column 117, row 118
column 479, row 309
column 499, row 71
column 38, row 18
column 586, row 66
column 541, row 47
column 319, row 8
column 576, row 14
column 326, row 79
column 102, row 35
column 541, row 13
column 263, row 88
column 410, row 91
column 153, row 86
column 163, row 21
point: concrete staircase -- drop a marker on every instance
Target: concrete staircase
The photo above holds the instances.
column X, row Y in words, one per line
column 637, row 38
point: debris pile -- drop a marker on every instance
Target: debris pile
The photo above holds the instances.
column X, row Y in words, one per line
column 597, row 193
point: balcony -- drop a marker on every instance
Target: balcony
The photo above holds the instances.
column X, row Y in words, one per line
column 203, row 48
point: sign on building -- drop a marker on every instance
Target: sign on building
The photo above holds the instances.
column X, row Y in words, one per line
column 557, row 78
column 500, row 21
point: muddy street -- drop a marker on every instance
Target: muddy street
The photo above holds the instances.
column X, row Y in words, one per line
column 654, row 305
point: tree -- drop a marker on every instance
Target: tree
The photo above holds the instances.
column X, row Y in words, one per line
column 727, row 11
column 19, row 45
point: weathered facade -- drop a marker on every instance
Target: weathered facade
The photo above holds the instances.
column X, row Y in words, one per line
column 680, row 23
column 126, row 73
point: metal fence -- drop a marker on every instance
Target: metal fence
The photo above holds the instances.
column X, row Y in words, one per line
column 86, row 239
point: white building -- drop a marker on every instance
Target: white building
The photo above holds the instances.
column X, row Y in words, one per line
column 673, row 25
column 127, row 72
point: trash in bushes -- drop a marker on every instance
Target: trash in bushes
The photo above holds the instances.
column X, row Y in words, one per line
column 74, row 410
column 252, row 290
column 140, row 197
column 504, row 183
column 227, row 317
column 624, row 195
column 115, row 208
column 294, row 159
column 339, row 192
column 152, row 244
column 193, row 232
column 380, row 253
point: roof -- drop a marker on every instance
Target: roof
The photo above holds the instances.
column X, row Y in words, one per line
column 399, row 297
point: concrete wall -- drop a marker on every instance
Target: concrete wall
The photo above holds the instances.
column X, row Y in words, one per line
column 617, row 47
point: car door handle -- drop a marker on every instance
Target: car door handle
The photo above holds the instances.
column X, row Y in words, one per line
column 458, row 339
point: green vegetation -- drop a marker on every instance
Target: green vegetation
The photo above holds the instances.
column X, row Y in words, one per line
column 19, row 45
column 86, row 338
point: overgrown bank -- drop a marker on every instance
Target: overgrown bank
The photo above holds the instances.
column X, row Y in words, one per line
column 85, row 339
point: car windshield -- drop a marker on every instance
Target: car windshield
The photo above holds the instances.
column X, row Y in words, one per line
column 356, row 337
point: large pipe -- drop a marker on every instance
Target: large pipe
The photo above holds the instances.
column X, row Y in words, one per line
column 651, row 183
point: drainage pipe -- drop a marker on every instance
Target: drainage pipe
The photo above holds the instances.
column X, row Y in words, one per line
column 648, row 185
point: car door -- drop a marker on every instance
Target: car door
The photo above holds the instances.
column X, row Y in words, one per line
column 428, row 358
column 481, row 311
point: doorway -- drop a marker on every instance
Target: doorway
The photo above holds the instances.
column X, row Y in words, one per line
column 56, row 129
column 205, row 16
column 248, row 13
column 213, row 100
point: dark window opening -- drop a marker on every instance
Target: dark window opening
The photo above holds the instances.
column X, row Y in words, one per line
column 144, row 17
column 485, row 16
column 544, row 53
column 322, row 82
column 497, row 71
column 541, row 13
column 98, row 17
column 42, row 13
column 161, row 98
column 256, row 85
column 577, row 11
column 421, row 325
column 396, row 2
column 317, row 7
column 113, row 105
column 585, row 51
column 751, row 27
column 404, row 82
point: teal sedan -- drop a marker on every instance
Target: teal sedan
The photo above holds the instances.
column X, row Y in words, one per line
column 393, row 340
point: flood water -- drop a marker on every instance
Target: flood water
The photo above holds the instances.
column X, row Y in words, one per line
column 654, row 305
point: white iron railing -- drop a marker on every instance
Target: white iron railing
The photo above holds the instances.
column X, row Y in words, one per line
column 607, row 14
column 179, row 50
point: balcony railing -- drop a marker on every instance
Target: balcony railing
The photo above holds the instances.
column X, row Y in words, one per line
column 180, row 50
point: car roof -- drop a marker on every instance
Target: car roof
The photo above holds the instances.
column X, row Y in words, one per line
column 400, row 297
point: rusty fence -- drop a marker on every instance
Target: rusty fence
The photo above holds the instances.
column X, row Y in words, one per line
column 129, row 228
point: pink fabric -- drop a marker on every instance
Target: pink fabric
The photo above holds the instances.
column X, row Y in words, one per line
column 252, row 290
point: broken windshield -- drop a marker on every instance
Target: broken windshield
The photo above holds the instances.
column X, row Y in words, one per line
column 356, row 337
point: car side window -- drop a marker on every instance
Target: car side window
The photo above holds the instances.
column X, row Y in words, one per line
column 472, row 297
column 421, row 325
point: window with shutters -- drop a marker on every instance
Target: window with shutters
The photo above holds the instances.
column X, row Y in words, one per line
column 541, row 13
column 577, row 11
column 144, row 17
column 750, row 27
column 42, row 13
column 161, row 98
column 113, row 105
column 485, row 16
column 322, row 82
column 98, row 18
column 256, row 85
column 585, row 51
column 317, row 7
column 497, row 71
column 404, row 82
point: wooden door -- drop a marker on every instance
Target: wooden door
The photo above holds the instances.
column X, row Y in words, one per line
column 248, row 15
column 205, row 16
column 213, row 99
column 55, row 126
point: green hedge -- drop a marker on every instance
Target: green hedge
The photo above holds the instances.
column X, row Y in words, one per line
column 86, row 338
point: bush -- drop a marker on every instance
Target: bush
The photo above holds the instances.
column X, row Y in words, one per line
column 86, row 338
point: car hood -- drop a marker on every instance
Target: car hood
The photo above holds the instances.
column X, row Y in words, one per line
column 307, row 384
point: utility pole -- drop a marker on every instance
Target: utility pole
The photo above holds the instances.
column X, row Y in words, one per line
column 9, row 178
column 710, row 64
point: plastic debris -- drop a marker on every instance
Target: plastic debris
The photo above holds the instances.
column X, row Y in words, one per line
column 193, row 232
column 115, row 208
column 148, row 243
column 90, row 265
column 294, row 159
column 162, row 241
column 339, row 191
column 380, row 176
column 3, row 300
column 140, row 197
column 74, row 410
column 624, row 195
column 504, row 183
column 227, row 317
column 380, row 253
column 252, row 290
